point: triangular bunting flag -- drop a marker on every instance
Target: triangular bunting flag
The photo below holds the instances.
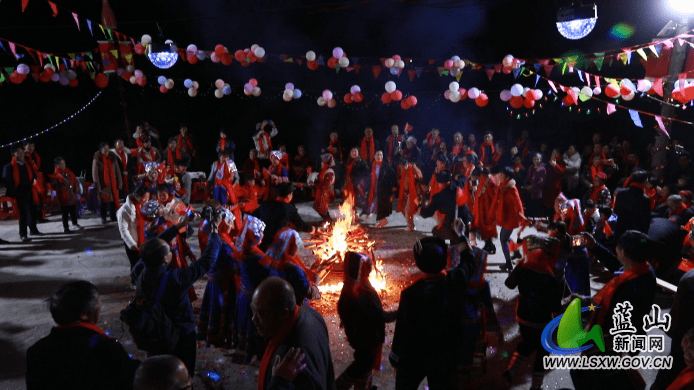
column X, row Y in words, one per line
column 9, row 70
column 537, row 79
column 24, row 4
column 2, row 47
column 611, row 109
column 54, row 8
column 106, row 63
column 383, row 62
column 321, row 61
column 548, row 69
column 563, row 68
column 399, row 71
column 441, row 69
column 72, row 55
column 299, row 61
column 349, row 69
column 77, row 20
column 490, row 73
column 2, row 77
column 103, row 31
column 497, row 68
column 537, row 66
column 680, row 41
column 114, row 53
column 357, row 67
column 642, row 53
column 411, row 73
column 668, row 44
column 89, row 24
column 457, row 78
column 661, row 125
column 128, row 57
column 599, row 59
column 580, row 76
column 376, row 69
column 635, row 117
column 446, row 73
column 289, row 60
column 89, row 54
column 337, row 68
column 551, row 84
column 110, row 36
column 516, row 73
column 658, row 86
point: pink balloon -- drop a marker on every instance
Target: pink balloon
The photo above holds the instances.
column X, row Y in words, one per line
column 447, row 94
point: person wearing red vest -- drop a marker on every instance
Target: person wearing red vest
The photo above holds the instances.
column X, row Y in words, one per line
column 18, row 177
column 509, row 213
column 65, row 185
column 107, row 180
column 483, row 210
column 248, row 194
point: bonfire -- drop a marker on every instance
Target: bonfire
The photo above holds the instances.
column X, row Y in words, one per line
column 330, row 243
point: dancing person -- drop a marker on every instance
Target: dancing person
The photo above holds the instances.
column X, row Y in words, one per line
column 66, row 188
column 383, row 185
column 279, row 213
column 324, row 187
column 509, row 213
column 407, row 194
column 107, row 180
column 131, row 224
column 287, row 264
column 262, row 138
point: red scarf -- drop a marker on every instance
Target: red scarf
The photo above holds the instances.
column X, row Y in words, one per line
column 407, row 180
column 335, row 148
column 496, row 157
column 123, row 158
column 679, row 211
column 34, row 159
column 272, row 346
column 518, row 167
column 140, row 218
column 685, row 380
column 638, row 185
column 594, row 171
column 431, row 142
column 264, row 138
column 87, row 325
column 58, row 175
column 468, row 171
column 483, row 152
column 15, row 172
column 374, row 180
column 596, row 192
column 604, row 296
column 222, row 144
column 456, row 149
column 187, row 142
column 391, row 147
column 170, row 157
column 148, row 155
column 539, row 261
column 368, row 148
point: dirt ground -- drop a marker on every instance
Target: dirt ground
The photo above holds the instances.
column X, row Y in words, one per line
column 29, row 273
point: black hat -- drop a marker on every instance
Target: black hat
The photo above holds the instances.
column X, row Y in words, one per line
column 283, row 190
column 353, row 264
column 443, row 176
column 590, row 204
column 430, row 254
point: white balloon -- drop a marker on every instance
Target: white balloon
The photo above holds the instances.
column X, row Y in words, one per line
column 390, row 86
column 575, row 89
column 133, row 80
column 71, row 74
column 259, row 52
column 171, row 82
column 645, row 85
column 390, row 62
column 629, row 96
column 218, row 93
column 310, row 55
column 256, row 91
column 455, row 58
column 539, row 94
column 192, row 92
column 192, row 49
column 587, row 91
column 525, row 91
column 47, row 66
column 289, row 92
column 505, row 95
column 597, row 91
column 454, row 96
column 344, row 62
column 473, row 93
column 23, row 69
column 507, row 61
column 400, row 64
column 130, row 68
column 516, row 90
column 321, row 101
column 455, row 71
column 453, row 86
column 460, row 64
column 146, row 39
column 254, row 47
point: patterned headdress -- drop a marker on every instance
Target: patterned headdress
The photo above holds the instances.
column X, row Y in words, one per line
column 254, row 225
column 277, row 154
column 151, row 209
column 281, row 244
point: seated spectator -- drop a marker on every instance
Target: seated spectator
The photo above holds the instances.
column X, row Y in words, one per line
column 291, row 330
column 164, row 372
column 77, row 354
column 677, row 211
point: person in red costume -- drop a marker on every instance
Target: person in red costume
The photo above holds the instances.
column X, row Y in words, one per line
column 275, row 174
column 555, row 172
column 369, row 145
column 509, row 212
column 248, row 194
column 185, row 142
column 483, row 210
column 39, row 186
column 263, row 140
column 171, row 154
column 66, row 187
column 457, row 147
column 324, row 190
column 407, row 195
column 18, row 177
column 107, row 180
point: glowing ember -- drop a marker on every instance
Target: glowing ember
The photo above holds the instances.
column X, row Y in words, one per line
column 330, row 244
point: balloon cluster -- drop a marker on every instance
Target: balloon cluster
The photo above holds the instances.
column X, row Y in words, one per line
column 521, row 97
column 193, row 55
column 311, row 62
column 165, row 84
column 625, row 88
column 326, row 99
column 249, row 56
column 408, row 102
column 455, row 94
column 47, row 73
column 20, row 74
column 354, row 95
column 192, row 87
column 339, row 59
column 455, row 65
column 220, row 54
column 290, row 92
column 395, row 64
column 509, row 63
column 391, row 94
column 64, row 78
column 222, row 89
column 141, row 47
column 251, row 88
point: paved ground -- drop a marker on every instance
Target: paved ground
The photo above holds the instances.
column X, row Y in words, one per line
column 29, row 273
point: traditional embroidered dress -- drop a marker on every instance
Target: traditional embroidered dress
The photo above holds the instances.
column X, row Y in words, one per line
column 263, row 142
column 324, row 190
column 287, row 265
column 224, row 191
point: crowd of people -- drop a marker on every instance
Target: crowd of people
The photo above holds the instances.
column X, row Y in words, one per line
column 603, row 207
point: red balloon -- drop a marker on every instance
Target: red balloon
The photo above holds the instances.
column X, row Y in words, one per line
column 162, row 89
column 357, row 97
column 226, row 59
column 239, row 55
column 332, row 62
column 566, row 100
column 448, row 64
column 44, row 77
column 192, row 58
column 679, row 95
column 101, row 80
column 624, row 90
column 537, row 94
column 313, row 65
column 516, row 101
column 142, row 81
column 482, row 100
column 219, row 50
column 396, row 95
column 17, row 78
column 344, row 54
column 528, row 103
column 412, row 100
column 611, row 91
column 689, row 92
column 245, row 62
column 252, row 57
column 332, row 103
column 73, row 83
column 348, row 98
column 573, row 96
column 396, row 58
column 463, row 93
column 386, row 98
column 404, row 104
column 253, row 82
column 139, row 49
column 51, row 72
column 507, row 69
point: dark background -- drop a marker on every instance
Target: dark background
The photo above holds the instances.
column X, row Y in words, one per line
column 481, row 31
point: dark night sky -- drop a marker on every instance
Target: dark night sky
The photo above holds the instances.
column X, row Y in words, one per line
column 482, row 31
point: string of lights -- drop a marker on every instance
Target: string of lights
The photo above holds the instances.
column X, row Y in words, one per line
column 67, row 119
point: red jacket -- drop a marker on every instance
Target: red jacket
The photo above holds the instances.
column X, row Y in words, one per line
column 509, row 209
